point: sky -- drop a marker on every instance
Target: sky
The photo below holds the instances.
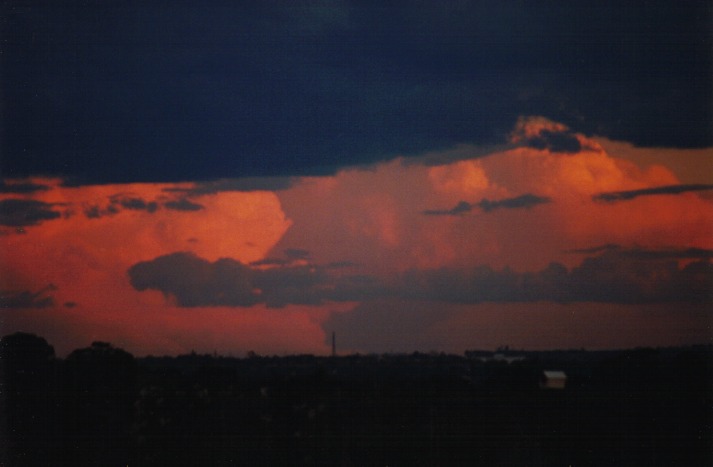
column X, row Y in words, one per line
column 411, row 176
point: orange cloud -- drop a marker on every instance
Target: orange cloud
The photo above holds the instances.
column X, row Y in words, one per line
column 375, row 217
column 369, row 218
column 86, row 257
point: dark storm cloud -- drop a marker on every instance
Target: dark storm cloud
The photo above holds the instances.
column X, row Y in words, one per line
column 95, row 211
column 596, row 249
column 461, row 208
column 611, row 277
column 341, row 265
column 641, row 253
column 459, row 153
column 119, row 202
column 137, row 91
column 555, row 142
column 614, row 196
column 524, row 201
column 24, row 212
column 27, row 299
column 271, row 262
column 197, row 282
column 291, row 256
column 193, row 282
column 183, row 204
column 683, row 253
column 296, row 253
column 242, row 184
column 21, row 188
column 135, row 204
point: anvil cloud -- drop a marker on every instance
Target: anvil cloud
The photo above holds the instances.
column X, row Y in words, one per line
column 170, row 267
column 422, row 176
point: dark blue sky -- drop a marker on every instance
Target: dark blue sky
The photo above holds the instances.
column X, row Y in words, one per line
column 108, row 91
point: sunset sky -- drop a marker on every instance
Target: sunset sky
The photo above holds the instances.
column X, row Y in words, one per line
column 413, row 176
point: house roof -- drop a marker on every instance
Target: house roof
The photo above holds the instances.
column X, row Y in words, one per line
column 555, row 374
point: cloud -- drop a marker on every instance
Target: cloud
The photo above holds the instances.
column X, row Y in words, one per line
column 672, row 253
column 195, row 282
column 21, row 188
column 524, row 201
column 241, row 184
column 296, row 253
column 25, row 212
column 88, row 258
column 408, row 325
column 271, row 262
column 641, row 253
column 614, row 196
column 608, row 278
column 543, row 134
column 459, row 152
column 389, row 325
column 27, row 299
column 375, row 216
column 612, row 277
column 183, row 204
column 134, row 203
column 641, row 278
column 359, row 240
column 555, row 142
column 461, row 208
column 119, row 202
column 300, row 93
column 596, row 249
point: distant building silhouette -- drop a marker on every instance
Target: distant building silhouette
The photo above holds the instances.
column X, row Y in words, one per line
column 553, row 379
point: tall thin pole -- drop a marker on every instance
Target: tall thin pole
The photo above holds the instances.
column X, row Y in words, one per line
column 334, row 344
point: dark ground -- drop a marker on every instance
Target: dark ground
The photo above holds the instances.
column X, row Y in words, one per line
column 102, row 407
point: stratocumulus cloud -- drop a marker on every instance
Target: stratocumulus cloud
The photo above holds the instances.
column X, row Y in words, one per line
column 25, row 212
column 525, row 201
column 16, row 187
column 194, row 282
column 612, row 277
column 486, row 205
column 613, row 196
column 135, row 203
column 665, row 253
column 607, row 279
column 183, row 204
column 26, row 298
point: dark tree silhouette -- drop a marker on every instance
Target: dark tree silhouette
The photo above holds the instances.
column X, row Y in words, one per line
column 100, row 389
column 29, row 433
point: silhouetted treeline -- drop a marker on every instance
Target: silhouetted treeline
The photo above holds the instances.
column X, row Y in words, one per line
column 76, row 411
column 100, row 406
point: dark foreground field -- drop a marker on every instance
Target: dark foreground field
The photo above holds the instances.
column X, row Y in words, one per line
column 102, row 407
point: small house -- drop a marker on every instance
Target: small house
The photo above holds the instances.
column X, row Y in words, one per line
column 553, row 379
